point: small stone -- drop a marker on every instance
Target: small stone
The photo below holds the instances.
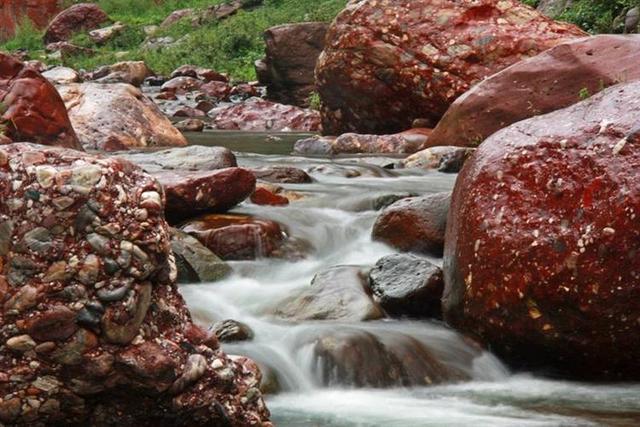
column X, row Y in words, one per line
column 90, row 269
column 21, row 343
column 38, row 240
column 231, row 330
column 151, row 200
column 113, row 295
column 6, row 232
column 24, row 299
column 46, row 175
column 56, row 324
column 194, row 369
column 99, row 243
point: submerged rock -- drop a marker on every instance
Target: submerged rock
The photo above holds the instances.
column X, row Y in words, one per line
column 282, row 175
column 540, row 256
column 555, row 79
column 406, row 285
column 32, row 109
column 242, row 237
column 117, row 117
column 260, row 115
column 339, row 293
column 96, row 331
column 264, row 197
column 357, row 358
column 195, row 262
column 415, row 224
column 82, row 16
column 384, row 66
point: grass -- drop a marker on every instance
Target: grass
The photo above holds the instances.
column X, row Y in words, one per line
column 231, row 45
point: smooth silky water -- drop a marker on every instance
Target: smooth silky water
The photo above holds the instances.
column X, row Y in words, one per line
column 337, row 219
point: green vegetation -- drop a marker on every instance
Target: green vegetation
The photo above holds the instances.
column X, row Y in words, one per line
column 231, row 45
column 598, row 16
column 584, row 94
column 315, row 103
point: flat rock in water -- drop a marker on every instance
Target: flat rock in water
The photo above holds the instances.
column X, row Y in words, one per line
column 339, row 293
column 191, row 158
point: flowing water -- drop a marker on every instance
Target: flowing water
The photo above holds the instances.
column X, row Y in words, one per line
column 336, row 218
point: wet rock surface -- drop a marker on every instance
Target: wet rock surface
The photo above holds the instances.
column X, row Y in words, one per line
column 95, row 330
column 549, row 204
column 82, row 16
column 357, row 358
column 242, row 237
column 261, row 115
column 191, row 158
column 555, row 79
column 32, row 109
column 384, row 66
column 339, row 293
column 194, row 261
column 288, row 68
column 232, row 331
column 444, row 159
column 192, row 193
column 117, row 117
column 415, row 224
column 407, row 142
column 406, row 285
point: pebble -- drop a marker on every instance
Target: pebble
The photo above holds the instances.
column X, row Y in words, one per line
column 21, row 343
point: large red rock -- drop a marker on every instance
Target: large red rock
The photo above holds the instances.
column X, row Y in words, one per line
column 32, row 110
column 190, row 194
column 92, row 323
column 12, row 12
column 555, row 79
column 542, row 237
column 389, row 62
column 81, row 16
column 112, row 117
column 260, row 115
column 288, row 69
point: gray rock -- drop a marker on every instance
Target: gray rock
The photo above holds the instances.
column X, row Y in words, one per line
column 195, row 262
column 339, row 293
column 406, row 285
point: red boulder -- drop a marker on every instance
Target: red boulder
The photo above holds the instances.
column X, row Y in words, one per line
column 384, row 66
column 192, row 193
column 32, row 108
column 555, row 79
column 92, row 323
column 542, row 240
column 82, row 16
column 12, row 12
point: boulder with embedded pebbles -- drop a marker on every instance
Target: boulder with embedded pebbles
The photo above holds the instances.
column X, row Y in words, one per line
column 261, row 115
column 32, row 109
column 540, row 251
column 94, row 329
column 388, row 63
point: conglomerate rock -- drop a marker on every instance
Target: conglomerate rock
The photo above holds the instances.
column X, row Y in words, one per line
column 93, row 329
column 388, row 62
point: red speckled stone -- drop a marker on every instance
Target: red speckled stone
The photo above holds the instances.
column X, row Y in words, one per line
column 259, row 115
column 33, row 111
column 541, row 255
column 93, row 329
column 192, row 193
column 38, row 11
column 388, row 62
column 547, row 82
column 82, row 16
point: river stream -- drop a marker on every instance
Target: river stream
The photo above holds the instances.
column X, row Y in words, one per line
column 336, row 217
